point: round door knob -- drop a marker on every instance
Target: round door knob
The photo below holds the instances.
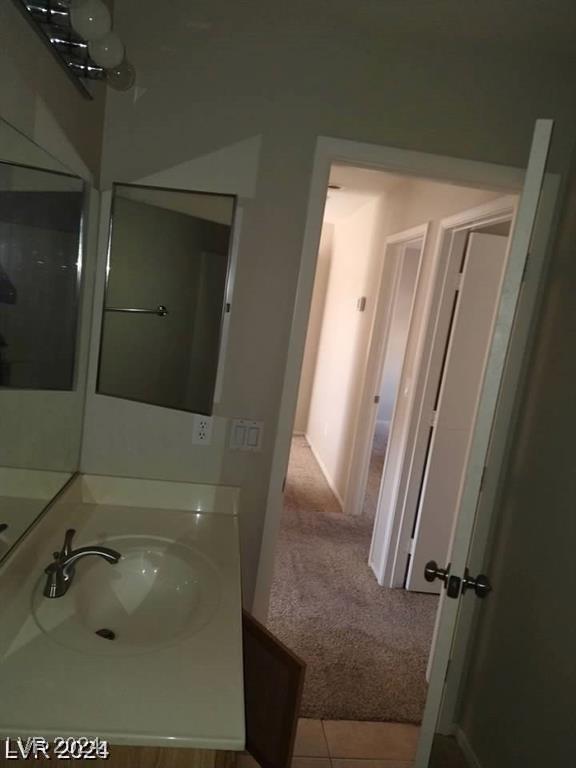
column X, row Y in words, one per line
column 432, row 572
column 480, row 584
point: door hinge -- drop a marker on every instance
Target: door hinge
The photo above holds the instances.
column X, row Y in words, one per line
column 376, row 399
column 433, row 418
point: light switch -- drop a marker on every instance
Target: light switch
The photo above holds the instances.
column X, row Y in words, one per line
column 246, row 435
column 253, row 437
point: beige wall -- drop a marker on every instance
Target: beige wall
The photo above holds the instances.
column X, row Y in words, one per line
column 519, row 699
column 314, row 329
column 288, row 74
column 343, row 341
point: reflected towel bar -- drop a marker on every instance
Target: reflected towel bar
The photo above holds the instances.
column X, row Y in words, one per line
column 160, row 310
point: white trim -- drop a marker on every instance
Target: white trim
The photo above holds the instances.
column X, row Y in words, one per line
column 469, row 754
column 492, row 212
column 228, row 300
column 414, row 233
column 392, row 568
column 373, row 373
column 324, row 470
column 328, row 151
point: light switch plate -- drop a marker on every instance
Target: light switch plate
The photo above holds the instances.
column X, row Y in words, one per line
column 202, row 430
column 246, row 435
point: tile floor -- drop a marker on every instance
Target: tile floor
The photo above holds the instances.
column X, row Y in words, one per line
column 350, row 744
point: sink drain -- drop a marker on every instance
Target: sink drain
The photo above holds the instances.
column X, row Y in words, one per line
column 107, row 634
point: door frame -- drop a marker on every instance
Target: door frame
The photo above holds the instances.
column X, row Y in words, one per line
column 390, row 568
column 374, row 370
column 532, row 230
column 379, row 157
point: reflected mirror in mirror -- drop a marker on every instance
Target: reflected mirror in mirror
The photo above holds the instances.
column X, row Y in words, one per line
column 165, row 296
column 40, row 225
column 41, row 375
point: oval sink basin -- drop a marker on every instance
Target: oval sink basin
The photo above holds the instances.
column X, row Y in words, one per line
column 158, row 593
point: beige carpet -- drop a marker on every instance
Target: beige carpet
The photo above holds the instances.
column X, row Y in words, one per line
column 366, row 647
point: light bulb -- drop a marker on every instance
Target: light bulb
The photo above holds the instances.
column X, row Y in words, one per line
column 108, row 51
column 90, row 19
column 122, row 77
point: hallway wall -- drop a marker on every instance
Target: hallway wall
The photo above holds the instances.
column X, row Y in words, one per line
column 343, row 341
column 314, row 328
column 357, row 269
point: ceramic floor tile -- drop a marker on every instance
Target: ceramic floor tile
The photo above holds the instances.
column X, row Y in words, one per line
column 351, row 763
column 245, row 760
column 311, row 762
column 361, row 740
column 310, row 740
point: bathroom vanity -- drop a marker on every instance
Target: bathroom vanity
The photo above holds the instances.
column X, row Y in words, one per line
column 146, row 652
column 136, row 634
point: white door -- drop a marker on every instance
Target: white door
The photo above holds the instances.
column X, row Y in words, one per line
column 478, row 444
column 401, row 313
column 475, row 304
column 400, row 273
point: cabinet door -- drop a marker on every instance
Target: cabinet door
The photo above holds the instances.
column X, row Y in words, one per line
column 273, row 682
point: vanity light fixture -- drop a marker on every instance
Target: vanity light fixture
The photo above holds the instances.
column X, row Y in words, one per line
column 79, row 32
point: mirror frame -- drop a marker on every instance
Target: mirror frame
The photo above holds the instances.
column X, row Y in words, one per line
column 226, row 305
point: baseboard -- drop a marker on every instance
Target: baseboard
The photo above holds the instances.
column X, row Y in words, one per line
column 466, row 747
column 383, row 424
column 325, row 473
column 297, row 433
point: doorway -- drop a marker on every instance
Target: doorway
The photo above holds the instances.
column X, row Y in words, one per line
column 402, row 261
column 419, row 490
column 366, row 646
column 532, row 228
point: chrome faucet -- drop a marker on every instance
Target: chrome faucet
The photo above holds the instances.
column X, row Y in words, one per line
column 61, row 572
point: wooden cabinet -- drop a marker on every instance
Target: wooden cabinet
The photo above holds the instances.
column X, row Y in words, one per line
column 273, row 683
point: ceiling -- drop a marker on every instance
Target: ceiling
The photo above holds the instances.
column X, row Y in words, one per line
column 545, row 25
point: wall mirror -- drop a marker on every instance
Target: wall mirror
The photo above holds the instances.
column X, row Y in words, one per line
column 42, row 364
column 167, row 271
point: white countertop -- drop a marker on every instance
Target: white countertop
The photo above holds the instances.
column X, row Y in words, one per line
column 185, row 694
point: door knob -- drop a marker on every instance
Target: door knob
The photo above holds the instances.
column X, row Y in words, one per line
column 451, row 583
column 432, row 572
column 480, row 584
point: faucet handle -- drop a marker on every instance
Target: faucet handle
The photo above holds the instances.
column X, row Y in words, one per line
column 67, row 548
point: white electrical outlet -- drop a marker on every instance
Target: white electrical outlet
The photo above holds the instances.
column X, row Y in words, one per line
column 202, row 430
